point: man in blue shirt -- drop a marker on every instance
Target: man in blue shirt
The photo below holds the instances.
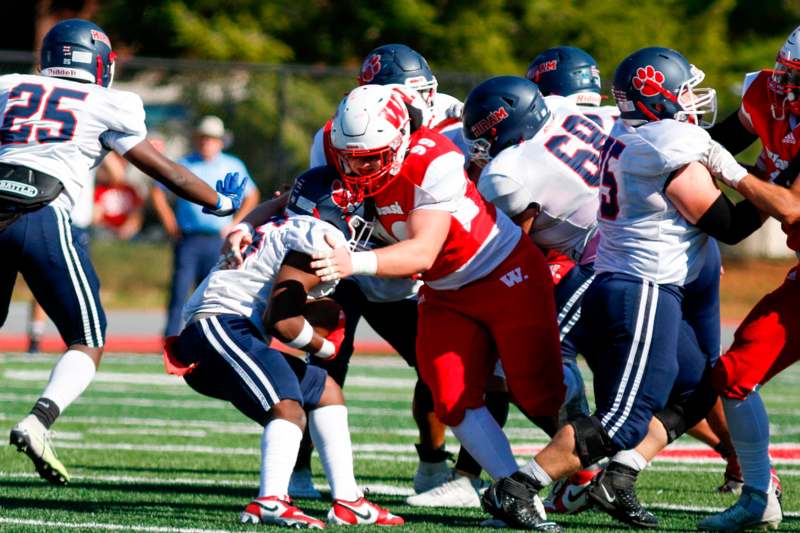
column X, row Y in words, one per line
column 197, row 236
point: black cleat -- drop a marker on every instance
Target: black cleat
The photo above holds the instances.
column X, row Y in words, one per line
column 515, row 501
column 614, row 492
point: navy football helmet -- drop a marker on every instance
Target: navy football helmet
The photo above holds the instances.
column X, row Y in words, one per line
column 320, row 192
column 397, row 63
column 78, row 50
column 567, row 71
column 502, row 112
column 659, row 83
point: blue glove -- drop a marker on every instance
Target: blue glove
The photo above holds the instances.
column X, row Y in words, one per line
column 229, row 195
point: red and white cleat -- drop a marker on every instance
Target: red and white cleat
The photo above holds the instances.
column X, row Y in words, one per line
column 278, row 511
column 361, row 512
column 568, row 496
column 775, row 484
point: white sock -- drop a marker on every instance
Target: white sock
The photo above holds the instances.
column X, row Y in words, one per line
column 331, row 437
column 280, row 443
column 73, row 372
column 631, row 459
column 483, row 438
column 749, row 427
column 533, row 469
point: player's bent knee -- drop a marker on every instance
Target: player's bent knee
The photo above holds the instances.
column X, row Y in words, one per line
column 423, row 398
column 592, row 442
column 450, row 416
column 291, row 411
column 332, row 393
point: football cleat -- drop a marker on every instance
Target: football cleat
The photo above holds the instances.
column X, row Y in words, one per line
column 459, row 491
column 753, row 509
column 775, row 484
column 361, row 512
column 31, row 437
column 569, row 495
column 514, row 500
column 614, row 492
column 278, row 511
column 301, row 485
column 733, row 477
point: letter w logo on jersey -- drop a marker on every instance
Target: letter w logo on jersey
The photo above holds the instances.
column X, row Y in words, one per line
column 513, row 277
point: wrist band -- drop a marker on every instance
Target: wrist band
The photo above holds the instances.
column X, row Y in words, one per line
column 327, row 350
column 364, row 263
column 738, row 174
column 303, row 338
column 224, row 204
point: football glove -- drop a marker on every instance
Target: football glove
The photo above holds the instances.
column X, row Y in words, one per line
column 230, row 190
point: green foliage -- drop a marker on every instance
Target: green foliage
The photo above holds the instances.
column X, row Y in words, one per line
column 274, row 119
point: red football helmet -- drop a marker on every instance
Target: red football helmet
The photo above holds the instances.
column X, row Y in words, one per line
column 784, row 84
column 370, row 137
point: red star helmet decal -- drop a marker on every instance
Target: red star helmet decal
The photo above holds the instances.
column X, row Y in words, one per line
column 340, row 195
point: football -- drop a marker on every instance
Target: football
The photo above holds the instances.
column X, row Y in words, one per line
column 323, row 315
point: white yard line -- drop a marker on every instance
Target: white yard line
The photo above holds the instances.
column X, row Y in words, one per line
column 106, row 526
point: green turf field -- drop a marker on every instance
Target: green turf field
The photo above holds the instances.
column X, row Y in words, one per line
column 146, row 453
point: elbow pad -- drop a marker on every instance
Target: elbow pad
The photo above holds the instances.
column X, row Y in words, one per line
column 729, row 223
column 732, row 134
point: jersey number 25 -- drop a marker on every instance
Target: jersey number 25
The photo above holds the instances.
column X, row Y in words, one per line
column 55, row 124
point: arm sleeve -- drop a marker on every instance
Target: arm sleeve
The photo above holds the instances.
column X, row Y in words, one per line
column 510, row 196
column 732, row 134
column 728, row 222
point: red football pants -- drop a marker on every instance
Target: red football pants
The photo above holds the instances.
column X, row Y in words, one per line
column 509, row 314
column 765, row 343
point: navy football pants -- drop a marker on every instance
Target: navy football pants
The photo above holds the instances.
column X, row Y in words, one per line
column 56, row 266
column 652, row 344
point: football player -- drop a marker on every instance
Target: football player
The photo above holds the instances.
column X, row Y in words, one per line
column 767, row 341
column 573, row 73
column 390, row 305
column 224, row 352
column 479, row 273
column 58, row 125
column 541, row 164
column 655, row 299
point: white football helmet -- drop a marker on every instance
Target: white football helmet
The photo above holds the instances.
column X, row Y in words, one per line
column 370, row 136
column 785, row 81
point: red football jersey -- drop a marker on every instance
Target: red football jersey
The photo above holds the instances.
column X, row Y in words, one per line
column 432, row 177
column 780, row 141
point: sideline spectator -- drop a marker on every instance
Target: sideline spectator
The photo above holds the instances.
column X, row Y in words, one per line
column 197, row 236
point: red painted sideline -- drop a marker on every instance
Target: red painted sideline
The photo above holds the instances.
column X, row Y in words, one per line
column 152, row 344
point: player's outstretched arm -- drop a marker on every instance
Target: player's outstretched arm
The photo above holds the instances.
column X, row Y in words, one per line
column 775, row 200
column 427, row 231
column 284, row 316
column 175, row 177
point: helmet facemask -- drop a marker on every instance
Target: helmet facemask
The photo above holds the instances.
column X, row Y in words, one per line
column 368, row 171
column 698, row 104
column 479, row 152
column 784, row 85
column 425, row 88
column 360, row 233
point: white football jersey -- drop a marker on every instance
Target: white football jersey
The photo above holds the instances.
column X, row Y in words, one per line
column 64, row 128
column 245, row 291
column 641, row 231
column 556, row 172
column 605, row 115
